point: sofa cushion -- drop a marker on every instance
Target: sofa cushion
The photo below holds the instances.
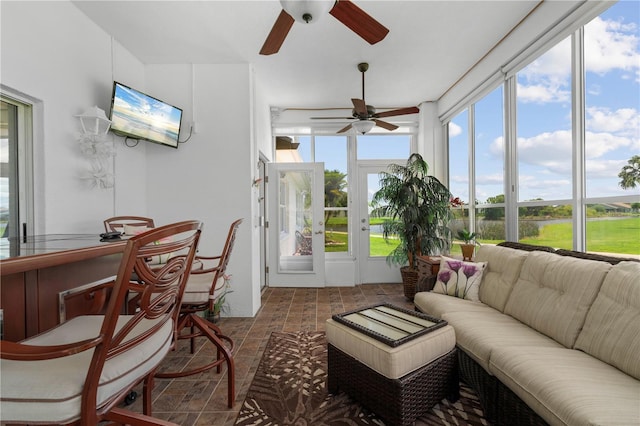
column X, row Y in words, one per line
column 554, row 293
column 459, row 279
column 611, row 331
column 436, row 304
column 500, row 275
column 568, row 387
column 478, row 333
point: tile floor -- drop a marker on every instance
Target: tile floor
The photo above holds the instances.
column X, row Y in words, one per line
column 202, row 399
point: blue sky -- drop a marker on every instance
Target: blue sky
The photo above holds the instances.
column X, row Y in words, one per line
column 612, row 85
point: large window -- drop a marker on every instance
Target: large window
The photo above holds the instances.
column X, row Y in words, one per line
column 612, row 128
column 572, row 141
column 489, row 158
column 459, row 171
column 383, row 147
column 544, row 148
column 16, row 183
column 477, row 134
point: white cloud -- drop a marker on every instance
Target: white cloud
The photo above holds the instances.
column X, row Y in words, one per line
column 542, row 93
column 454, row 129
column 603, row 169
column 496, row 149
column 623, row 121
column 598, row 144
column 535, row 186
column 546, row 148
column 611, row 45
column 490, row 179
column 594, row 89
column 547, row 78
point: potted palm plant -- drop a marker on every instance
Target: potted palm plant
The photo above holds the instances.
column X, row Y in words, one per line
column 416, row 210
column 469, row 243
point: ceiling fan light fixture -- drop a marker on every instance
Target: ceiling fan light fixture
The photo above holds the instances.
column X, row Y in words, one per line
column 363, row 126
column 307, row 11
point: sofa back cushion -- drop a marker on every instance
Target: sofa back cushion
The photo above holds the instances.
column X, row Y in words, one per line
column 611, row 331
column 554, row 293
column 500, row 275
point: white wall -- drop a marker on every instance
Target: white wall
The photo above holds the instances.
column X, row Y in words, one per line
column 209, row 177
column 53, row 53
column 66, row 64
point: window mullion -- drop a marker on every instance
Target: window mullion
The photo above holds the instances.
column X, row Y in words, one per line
column 510, row 160
column 578, row 139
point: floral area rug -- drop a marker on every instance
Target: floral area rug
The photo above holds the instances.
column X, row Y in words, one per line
column 289, row 388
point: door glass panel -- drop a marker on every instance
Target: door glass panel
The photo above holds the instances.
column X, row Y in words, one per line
column 9, row 213
column 295, row 221
column 332, row 151
column 377, row 244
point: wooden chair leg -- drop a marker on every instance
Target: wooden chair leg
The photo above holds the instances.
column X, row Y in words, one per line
column 123, row 417
column 224, row 352
column 208, row 329
column 193, row 340
column 147, row 398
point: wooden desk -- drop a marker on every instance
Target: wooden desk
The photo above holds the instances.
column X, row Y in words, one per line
column 41, row 267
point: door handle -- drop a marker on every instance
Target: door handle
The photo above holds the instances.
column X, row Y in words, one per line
column 319, row 232
column 364, row 228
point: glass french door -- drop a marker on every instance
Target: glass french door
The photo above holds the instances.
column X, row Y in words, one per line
column 373, row 249
column 296, row 224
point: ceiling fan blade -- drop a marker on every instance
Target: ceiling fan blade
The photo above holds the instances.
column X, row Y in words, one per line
column 278, row 33
column 344, row 129
column 401, row 111
column 332, row 118
column 385, row 125
column 360, row 107
column 359, row 21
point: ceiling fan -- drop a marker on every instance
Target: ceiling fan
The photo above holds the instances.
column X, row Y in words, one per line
column 365, row 115
column 308, row 11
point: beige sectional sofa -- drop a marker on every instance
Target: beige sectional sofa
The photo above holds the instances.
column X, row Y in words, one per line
column 555, row 337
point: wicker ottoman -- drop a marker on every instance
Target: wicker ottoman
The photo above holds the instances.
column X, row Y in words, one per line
column 397, row 383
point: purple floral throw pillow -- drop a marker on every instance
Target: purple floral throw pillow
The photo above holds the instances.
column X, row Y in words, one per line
column 459, row 279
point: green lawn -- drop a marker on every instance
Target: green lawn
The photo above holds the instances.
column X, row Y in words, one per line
column 606, row 236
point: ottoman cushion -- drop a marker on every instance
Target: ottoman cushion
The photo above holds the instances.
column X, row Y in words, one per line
column 389, row 361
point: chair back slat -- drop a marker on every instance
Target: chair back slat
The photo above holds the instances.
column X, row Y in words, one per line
column 224, row 259
column 117, row 223
column 163, row 287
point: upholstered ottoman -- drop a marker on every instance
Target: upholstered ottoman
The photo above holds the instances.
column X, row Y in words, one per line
column 397, row 379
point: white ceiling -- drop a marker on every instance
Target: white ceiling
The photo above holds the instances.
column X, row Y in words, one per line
column 431, row 44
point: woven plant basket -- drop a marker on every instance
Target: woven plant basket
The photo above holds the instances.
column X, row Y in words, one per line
column 409, row 280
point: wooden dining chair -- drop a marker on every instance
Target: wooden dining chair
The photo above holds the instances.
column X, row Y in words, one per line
column 200, row 297
column 79, row 372
column 118, row 224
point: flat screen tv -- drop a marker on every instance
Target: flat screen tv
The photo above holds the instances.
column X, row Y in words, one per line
column 139, row 116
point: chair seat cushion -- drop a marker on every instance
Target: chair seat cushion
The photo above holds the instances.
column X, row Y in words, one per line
column 51, row 390
column 199, row 286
